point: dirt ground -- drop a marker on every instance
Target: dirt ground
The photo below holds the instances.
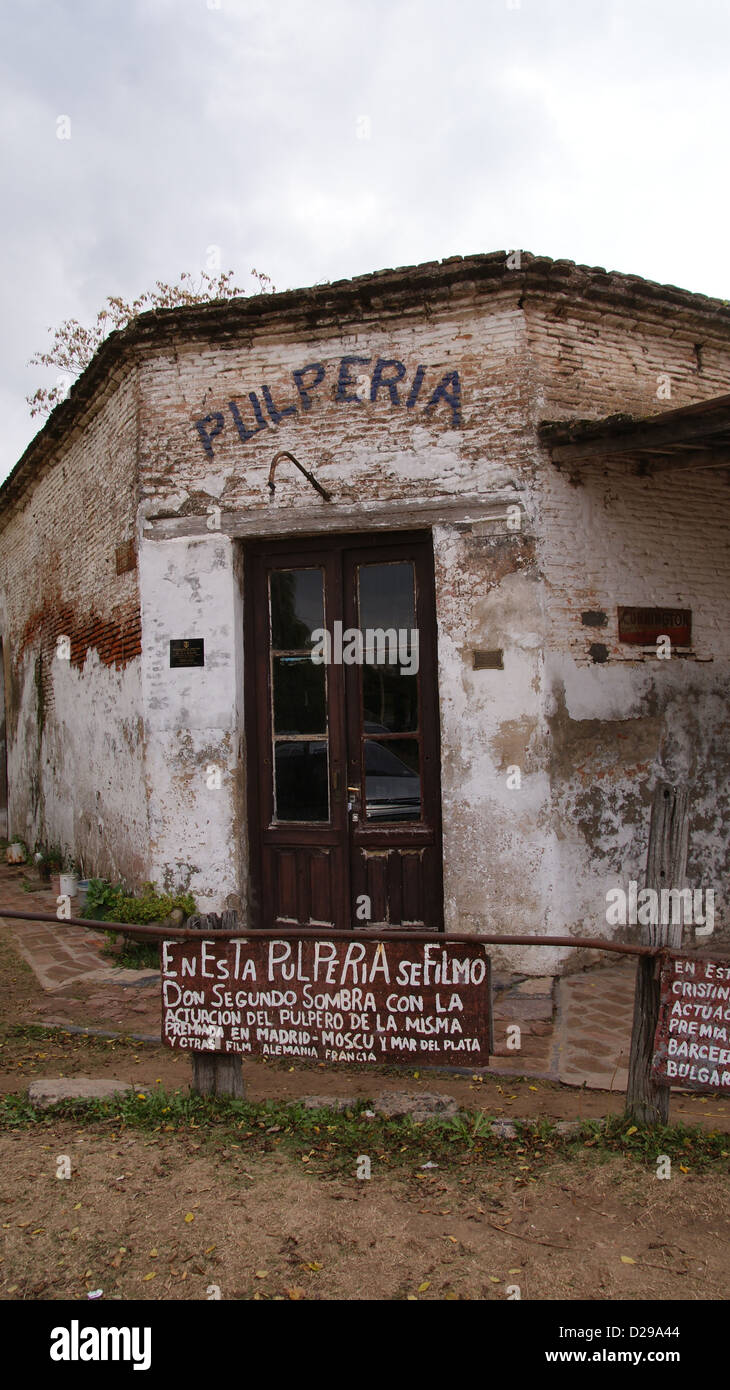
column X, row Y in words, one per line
column 165, row 1217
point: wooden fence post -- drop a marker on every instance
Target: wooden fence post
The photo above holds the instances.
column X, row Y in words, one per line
column 647, row 1102
column 217, row 1073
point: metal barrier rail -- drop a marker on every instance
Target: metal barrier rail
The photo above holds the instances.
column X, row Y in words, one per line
column 593, row 943
column 647, row 1100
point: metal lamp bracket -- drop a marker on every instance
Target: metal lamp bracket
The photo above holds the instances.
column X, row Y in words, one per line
column 284, row 454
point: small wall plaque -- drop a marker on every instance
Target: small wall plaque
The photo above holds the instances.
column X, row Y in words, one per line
column 640, row 627
column 187, row 651
column 488, row 661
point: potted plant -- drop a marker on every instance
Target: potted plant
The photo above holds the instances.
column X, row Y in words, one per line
column 51, row 866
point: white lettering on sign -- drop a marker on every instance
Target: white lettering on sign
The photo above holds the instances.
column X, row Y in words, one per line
column 692, row 1043
column 352, row 1001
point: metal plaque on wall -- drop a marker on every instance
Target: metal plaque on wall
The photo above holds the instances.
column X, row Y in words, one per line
column 187, row 651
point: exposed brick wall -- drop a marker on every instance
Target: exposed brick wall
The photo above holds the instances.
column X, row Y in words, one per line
column 618, row 539
column 373, row 451
column 589, row 364
column 58, row 577
column 614, row 537
column 116, row 642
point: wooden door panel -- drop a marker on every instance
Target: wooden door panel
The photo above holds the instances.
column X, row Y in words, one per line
column 395, row 840
column 413, row 870
column 284, row 865
column 323, row 877
column 302, row 886
column 311, row 739
column 395, row 882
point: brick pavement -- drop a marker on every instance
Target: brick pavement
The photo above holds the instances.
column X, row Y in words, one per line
column 60, row 955
column 592, row 1035
column 576, row 1030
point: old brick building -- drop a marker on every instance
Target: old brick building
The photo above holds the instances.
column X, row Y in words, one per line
column 504, row 784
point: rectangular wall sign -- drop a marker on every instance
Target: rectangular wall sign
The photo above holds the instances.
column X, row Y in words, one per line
column 187, row 651
column 331, row 1001
column 640, row 627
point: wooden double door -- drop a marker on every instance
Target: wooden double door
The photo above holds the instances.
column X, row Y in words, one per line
column 342, row 732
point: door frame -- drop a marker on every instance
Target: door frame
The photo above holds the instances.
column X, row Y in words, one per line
column 256, row 683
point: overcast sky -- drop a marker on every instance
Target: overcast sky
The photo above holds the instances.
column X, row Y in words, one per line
column 316, row 139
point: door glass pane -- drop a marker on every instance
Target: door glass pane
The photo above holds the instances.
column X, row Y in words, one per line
column 392, row 779
column 386, row 596
column 297, row 608
column 390, row 701
column 299, row 696
column 301, row 780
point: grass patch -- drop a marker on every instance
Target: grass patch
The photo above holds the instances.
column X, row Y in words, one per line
column 330, row 1141
column 134, row 955
column 37, row 1032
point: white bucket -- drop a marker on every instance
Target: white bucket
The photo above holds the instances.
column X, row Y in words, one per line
column 69, row 885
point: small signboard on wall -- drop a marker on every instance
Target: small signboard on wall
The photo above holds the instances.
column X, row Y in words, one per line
column 692, row 1042
column 640, row 627
column 187, row 651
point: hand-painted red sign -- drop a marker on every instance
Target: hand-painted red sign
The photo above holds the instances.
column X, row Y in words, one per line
column 640, row 627
column 332, row 1001
column 692, row 1042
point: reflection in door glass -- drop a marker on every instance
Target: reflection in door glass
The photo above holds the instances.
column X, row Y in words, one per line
column 299, row 696
column 297, row 607
column 387, row 596
column 392, row 780
column 301, row 780
column 390, row 700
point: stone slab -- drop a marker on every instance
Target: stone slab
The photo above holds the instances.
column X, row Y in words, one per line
column 538, row 984
column 338, row 1103
column 424, row 1106
column 538, row 1006
column 49, row 1090
column 593, row 1032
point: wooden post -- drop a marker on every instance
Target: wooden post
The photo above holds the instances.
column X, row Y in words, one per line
column 217, row 1073
column 647, row 1102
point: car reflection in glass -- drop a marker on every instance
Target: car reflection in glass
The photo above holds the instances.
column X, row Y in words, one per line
column 392, row 788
